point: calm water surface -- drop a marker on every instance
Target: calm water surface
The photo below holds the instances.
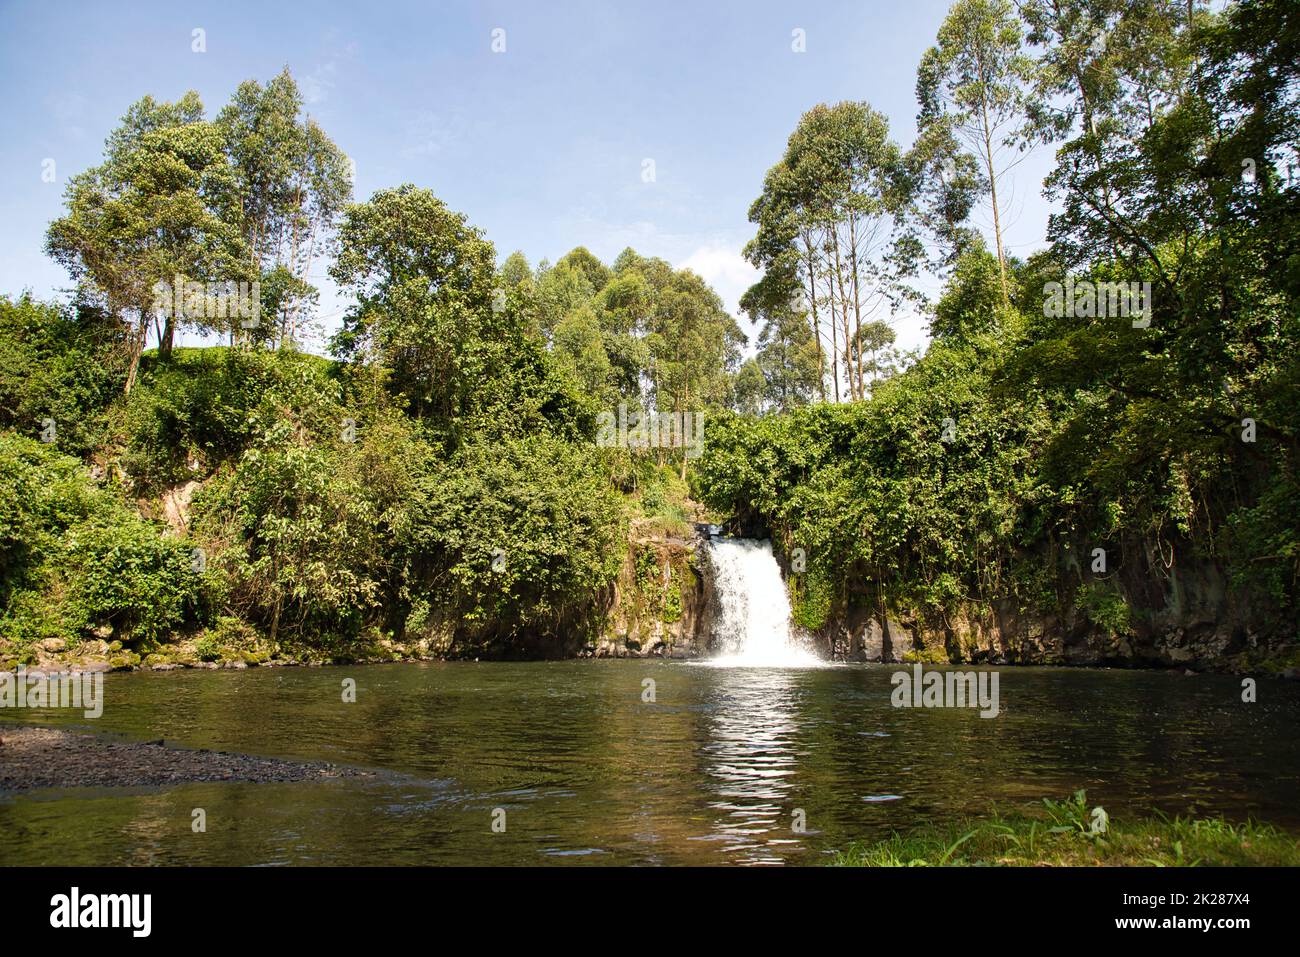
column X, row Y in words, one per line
column 710, row 773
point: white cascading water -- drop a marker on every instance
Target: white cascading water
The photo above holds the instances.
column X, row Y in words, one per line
column 752, row 628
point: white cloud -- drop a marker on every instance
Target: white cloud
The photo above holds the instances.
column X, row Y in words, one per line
column 317, row 84
column 69, row 112
column 429, row 134
column 725, row 269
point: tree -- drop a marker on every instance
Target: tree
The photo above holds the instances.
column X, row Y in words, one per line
column 972, row 84
column 579, row 341
column 693, row 344
column 787, row 356
column 595, row 271
column 516, row 273
column 561, row 289
column 876, row 341
column 292, row 182
column 160, row 208
column 972, row 301
column 829, row 228
column 423, row 281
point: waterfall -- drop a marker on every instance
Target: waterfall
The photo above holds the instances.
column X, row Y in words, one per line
column 752, row 625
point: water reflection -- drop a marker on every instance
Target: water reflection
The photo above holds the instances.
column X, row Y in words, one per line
column 751, row 758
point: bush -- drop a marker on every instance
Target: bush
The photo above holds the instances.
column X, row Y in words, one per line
column 74, row 557
column 129, row 576
column 210, row 405
column 62, row 364
column 207, row 648
column 526, row 532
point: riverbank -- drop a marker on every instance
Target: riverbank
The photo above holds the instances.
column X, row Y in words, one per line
column 34, row 757
column 1072, row 833
column 100, row 656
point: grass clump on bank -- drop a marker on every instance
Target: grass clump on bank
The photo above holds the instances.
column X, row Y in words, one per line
column 1067, row 834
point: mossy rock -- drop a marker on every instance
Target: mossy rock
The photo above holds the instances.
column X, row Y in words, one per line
column 927, row 656
column 125, row 661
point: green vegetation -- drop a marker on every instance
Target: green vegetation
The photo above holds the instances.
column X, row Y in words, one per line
column 1077, row 463
column 437, row 487
column 75, row 557
column 1065, row 834
column 434, row 488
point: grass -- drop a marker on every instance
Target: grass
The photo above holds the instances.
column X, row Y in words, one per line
column 1069, row 834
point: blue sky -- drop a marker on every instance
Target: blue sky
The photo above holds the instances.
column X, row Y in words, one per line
column 541, row 146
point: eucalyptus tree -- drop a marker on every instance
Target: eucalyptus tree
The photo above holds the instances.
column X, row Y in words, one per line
column 944, row 183
column 625, row 306
column 869, row 218
column 694, row 344
column 1108, row 77
column 875, row 341
column 583, row 260
column 749, row 392
column 787, row 356
column 579, row 341
column 785, row 248
column 292, row 183
column 972, row 84
column 561, row 289
column 516, row 273
column 830, row 221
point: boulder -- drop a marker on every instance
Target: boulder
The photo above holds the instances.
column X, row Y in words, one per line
column 871, row 641
column 898, row 641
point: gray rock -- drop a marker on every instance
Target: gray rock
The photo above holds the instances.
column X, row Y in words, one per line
column 898, row 641
column 871, row 642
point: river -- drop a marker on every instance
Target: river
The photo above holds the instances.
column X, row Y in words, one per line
column 721, row 767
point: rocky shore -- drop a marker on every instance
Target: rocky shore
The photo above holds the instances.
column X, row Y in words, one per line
column 47, row 758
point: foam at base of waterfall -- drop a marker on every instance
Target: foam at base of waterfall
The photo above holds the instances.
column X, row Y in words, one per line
column 753, row 624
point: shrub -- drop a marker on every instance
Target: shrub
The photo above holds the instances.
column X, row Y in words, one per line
column 73, row 556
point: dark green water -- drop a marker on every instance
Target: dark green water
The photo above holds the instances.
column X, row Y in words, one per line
column 710, row 773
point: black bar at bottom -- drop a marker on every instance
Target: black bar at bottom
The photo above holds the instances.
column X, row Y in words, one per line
column 334, row 905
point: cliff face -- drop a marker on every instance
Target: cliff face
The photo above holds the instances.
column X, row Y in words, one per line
column 660, row 603
column 1186, row 616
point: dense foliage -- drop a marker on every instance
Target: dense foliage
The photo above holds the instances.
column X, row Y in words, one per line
column 434, row 488
column 440, row 482
column 1030, row 436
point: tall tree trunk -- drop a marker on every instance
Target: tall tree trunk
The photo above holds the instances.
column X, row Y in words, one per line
column 816, row 323
column 137, row 349
column 835, row 333
column 165, row 340
column 844, row 319
column 857, row 300
column 686, row 404
column 835, row 345
column 993, row 196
